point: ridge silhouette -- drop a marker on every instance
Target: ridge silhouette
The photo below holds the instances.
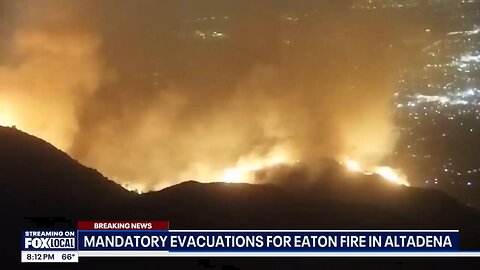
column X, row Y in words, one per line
column 39, row 181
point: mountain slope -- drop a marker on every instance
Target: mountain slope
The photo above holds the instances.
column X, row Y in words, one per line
column 39, row 180
column 36, row 175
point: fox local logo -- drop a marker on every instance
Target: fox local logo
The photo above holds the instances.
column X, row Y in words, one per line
column 49, row 240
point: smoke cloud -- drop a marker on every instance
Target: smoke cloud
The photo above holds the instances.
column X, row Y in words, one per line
column 52, row 67
column 136, row 92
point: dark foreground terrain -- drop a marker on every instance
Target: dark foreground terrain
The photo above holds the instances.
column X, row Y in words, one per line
column 38, row 180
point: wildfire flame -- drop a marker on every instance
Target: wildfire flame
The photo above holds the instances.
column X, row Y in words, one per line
column 135, row 187
column 353, row 165
column 7, row 119
column 245, row 169
column 385, row 172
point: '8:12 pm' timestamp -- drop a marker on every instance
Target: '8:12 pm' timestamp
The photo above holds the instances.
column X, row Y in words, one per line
column 49, row 256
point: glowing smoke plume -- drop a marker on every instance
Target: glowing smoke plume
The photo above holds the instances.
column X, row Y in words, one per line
column 53, row 66
column 177, row 108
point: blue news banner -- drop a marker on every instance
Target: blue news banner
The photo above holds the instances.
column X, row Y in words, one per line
column 69, row 245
